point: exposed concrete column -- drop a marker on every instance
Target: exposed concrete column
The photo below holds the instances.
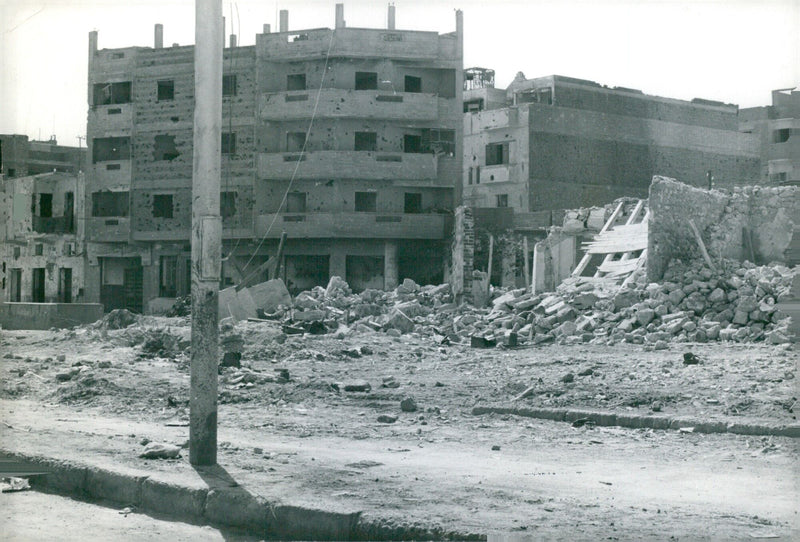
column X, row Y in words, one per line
column 158, row 40
column 284, row 21
column 266, row 29
column 508, row 277
column 233, row 41
column 337, row 264
column 539, row 271
column 390, row 25
column 391, row 271
column 92, row 53
column 339, row 15
column 206, row 231
column 459, row 33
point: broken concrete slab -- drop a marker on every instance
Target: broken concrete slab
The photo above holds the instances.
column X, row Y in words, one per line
column 269, row 295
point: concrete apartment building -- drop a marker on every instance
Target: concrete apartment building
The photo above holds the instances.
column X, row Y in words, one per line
column 560, row 143
column 778, row 127
column 20, row 157
column 41, row 238
column 344, row 138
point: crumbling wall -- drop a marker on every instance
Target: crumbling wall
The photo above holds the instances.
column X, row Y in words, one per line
column 463, row 253
column 750, row 223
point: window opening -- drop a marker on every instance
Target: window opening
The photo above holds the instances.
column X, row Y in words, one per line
column 366, row 80
column 162, row 205
column 412, row 203
column 366, row 141
column 366, row 202
column 166, row 90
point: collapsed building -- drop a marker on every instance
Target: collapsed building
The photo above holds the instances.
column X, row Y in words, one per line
column 20, row 156
column 346, row 139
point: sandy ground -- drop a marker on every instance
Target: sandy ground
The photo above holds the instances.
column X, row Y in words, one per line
column 308, row 440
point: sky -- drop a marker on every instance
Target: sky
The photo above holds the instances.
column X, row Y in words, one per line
column 733, row 51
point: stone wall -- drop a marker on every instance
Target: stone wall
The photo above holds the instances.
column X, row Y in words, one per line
column 749, row 223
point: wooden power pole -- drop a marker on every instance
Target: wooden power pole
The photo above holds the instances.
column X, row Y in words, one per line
column 206, row 231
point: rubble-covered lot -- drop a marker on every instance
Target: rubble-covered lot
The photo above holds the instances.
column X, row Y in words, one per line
column 402, row 371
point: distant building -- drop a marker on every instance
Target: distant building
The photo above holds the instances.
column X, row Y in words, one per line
column 560, row 143
column 20, row 156
column 778, row 126
column 41, row 238
column 347, row 139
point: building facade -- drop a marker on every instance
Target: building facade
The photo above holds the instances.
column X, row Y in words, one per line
column 561, row 143
column 41, row 238
column 20, row 157
column 778, row 127
column 345, row 139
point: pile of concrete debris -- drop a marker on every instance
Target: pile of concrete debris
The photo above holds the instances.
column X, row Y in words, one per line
column 736, row 302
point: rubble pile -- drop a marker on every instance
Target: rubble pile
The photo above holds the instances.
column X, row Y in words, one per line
column 736, row 302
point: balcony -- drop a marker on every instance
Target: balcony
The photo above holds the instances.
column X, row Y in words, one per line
column 54, row 224
column 353, row 225
column 348, row 165
column 341, row 103
column 108, row 229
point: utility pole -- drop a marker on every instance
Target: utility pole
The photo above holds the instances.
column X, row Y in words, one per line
column 206, row 231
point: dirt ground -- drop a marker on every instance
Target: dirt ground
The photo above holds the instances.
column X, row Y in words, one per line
column 291, row 390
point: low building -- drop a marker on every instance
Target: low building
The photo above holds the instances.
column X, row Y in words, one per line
column 41, row 238
column 20, row 157
column 562, row 143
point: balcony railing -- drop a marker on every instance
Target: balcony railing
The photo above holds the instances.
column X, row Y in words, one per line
column 353, row 225
column 348, row 164
column 54, row 224
column 341, row 103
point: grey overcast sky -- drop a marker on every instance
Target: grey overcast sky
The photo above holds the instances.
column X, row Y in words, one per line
column 735, row 51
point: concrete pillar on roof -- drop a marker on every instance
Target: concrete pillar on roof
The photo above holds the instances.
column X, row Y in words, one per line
column 340, row 16
column 158, row 37
column 391, row 23
column 284, row 20
column 266, row 29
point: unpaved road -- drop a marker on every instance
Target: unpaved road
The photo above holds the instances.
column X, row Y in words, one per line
column 305, row 441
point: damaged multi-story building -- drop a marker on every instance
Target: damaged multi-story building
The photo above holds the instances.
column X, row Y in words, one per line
column 346, row 139
column 41, row 238
column 559, row 143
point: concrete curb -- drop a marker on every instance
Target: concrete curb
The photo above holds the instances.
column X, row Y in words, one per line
column 230, row 507
column 634, row 421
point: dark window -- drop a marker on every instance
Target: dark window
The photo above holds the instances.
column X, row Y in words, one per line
column 227, row 204
column 166, row 90
column 413, row 84
column 11, row 172
column 15, row 295
column 38, row 285
column 469, row 176
column 366, row 81
column 168, row 276
column 229, row 85
column 439, row 141
column 38, row 249
column 471, row 106
column 296, row 81
column 413, row 202
column 496, row 153
column 782, row 135
column 366, row 202
column 366, row 141
column 296, row 202
column 162, row 205
column 165, row 148
column 110, row 204
column 105, row 149
column 228, row 142
column 112, row 93
column 502, row 200
column 113, row 166
column 65, row 285
column 45, row 205
column 295, row 141
column 412, row 143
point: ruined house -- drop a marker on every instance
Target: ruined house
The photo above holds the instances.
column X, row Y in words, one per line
column 345, row 139
column 41, row 238
column 20, row 156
